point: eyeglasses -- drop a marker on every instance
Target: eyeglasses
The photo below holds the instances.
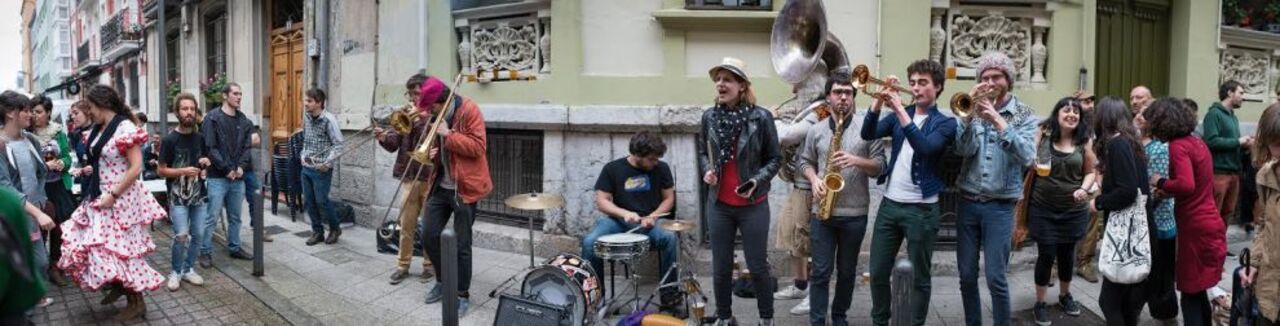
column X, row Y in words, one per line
column 842, row 92
column 411, row 94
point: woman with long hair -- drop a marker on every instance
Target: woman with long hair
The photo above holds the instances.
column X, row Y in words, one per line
column 1162, row 298
column 739, row 154
column 106, row 240
column 1123, row 164
column 1201, row 238
column 1264, row 270
column 56, row 152
column 1058, row 214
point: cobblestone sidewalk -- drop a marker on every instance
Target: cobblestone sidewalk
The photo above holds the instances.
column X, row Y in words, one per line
column 221, row 301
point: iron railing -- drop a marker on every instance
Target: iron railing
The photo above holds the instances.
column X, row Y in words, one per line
column 82, row 53
column 118, row 29
column 729, row 4
column 515, row 165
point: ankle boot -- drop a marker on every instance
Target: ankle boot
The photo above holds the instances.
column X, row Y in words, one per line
column 113, row 294
column 137, row 308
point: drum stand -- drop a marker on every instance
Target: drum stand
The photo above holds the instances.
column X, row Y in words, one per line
column 688, row 284
column 610, row 303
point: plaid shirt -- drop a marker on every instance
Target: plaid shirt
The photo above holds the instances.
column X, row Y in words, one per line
column 322, row 140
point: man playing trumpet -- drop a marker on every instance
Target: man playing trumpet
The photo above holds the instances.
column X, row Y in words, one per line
column 412, row 176
column 909, row 211
column 996, row 144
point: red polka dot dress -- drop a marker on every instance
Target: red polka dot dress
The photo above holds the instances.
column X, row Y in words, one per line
column 104, row 245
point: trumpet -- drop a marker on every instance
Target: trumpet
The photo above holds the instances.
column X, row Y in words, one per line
column 422, row 153
column 962, row 103
column 862, row 80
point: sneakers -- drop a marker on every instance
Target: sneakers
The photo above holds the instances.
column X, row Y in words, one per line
column 1069, row 305
column 427, row 274
column 333, row 236
column 315, row 238
column 766, row 322
column 175, row 281
column 726, row 322
column 790, row 293
column 1041, row 313
column 398, row 276
column 802, row 308
column 241, row 255
column 193, row 278
column 434, row 295
column 463, row 305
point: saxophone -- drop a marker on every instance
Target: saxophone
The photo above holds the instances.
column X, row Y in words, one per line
column 831, row 178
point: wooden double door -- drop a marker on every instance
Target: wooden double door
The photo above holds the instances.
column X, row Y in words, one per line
column 287, row 62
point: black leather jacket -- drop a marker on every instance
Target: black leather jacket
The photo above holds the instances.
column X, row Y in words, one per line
column 759, row 155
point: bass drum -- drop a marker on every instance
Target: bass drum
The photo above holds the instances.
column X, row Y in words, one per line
column 566, row 280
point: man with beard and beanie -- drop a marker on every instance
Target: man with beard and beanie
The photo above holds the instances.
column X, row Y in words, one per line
column 182, row 158
column 996, row 143
column 1222, row 135
column 459, row 179
column 413, row 179
column 836, row 238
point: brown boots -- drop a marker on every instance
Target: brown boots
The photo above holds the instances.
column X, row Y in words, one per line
column 137, row 308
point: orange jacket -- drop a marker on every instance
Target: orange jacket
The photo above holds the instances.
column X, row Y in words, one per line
column 466, row 151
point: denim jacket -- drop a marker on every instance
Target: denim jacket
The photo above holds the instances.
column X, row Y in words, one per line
column 994, row 161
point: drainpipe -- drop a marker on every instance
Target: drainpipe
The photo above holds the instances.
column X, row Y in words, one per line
column 322, row 34
column 162, row 74
column 422, row 36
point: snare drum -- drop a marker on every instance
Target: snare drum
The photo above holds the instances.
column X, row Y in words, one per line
column 622, row 246
column 566, row 280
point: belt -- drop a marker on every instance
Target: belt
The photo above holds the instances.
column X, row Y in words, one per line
column 984, row 198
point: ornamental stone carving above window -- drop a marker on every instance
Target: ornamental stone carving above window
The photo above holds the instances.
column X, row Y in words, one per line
column 960, row 34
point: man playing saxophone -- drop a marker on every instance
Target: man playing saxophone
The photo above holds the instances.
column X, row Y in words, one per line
column 841, row 197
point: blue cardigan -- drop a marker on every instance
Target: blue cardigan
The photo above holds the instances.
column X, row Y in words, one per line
column 928, row 141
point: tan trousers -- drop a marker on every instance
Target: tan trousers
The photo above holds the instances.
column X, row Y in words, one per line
column 1086, row 254
column 415, row 195
column 1226, row 193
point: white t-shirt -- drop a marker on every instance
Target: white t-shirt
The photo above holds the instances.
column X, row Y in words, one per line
column 901, row 189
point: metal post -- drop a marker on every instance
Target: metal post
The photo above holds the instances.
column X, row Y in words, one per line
column 162, row 38
column 255, row 199
column 903, row 278
column 449, row 267
column 531, row 241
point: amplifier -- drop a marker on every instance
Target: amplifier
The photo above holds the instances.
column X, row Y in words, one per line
column 515, row 310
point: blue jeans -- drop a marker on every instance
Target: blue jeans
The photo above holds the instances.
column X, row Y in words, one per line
column 834, row 244
column 187, row 221
column 315, row 198
column 987, row 226
column 663, row 240
column 226, row 193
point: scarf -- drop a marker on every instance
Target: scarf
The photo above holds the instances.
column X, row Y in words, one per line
column 91, row 188
column 46, row 135
column 727, row 128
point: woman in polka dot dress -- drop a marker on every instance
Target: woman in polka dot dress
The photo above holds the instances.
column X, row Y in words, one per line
column 106, row 240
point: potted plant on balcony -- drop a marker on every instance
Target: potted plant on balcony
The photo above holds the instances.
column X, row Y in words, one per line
column 172, row 88
column 1232, row 14
column 212, row 88
column 1269, row 12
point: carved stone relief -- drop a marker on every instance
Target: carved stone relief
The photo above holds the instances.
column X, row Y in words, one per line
column 974, row 36
column 1251, row 68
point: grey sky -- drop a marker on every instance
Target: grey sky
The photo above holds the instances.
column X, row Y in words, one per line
column 11, row 37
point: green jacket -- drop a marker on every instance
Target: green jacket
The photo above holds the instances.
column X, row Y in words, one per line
column 1222, row 135
column 17, row 295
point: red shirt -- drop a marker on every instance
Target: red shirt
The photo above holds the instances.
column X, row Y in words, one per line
column 729, row 182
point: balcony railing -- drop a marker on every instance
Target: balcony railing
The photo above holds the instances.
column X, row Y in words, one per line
column 729, row 4
column 82, row 53
column 1261, row 15
column 120, row 35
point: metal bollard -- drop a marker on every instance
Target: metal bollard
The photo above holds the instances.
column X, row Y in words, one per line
column 449, row 267
column 903, row 279
column 255, row 213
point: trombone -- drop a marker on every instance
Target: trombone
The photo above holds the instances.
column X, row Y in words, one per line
column 962, row 104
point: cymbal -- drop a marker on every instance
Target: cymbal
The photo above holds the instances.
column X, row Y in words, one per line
column 535, row 201
column 676, row 225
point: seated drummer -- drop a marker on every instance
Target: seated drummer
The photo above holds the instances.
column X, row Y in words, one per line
column 633, row 191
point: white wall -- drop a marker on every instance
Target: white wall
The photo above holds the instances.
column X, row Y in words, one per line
column 621, row 38
column 855, row 24
column 704, row 50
